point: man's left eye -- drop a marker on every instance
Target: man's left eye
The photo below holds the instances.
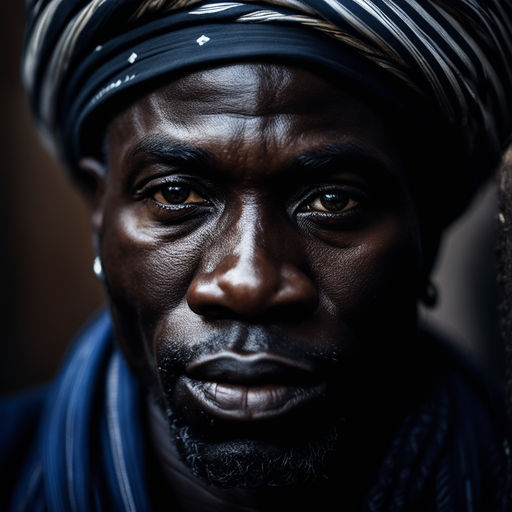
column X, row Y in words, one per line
column 174, row 194
column 333, row 201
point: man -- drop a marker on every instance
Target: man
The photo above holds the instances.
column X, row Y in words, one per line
column 268, row 184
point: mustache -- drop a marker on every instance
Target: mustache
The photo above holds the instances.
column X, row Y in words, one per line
column 174, row 356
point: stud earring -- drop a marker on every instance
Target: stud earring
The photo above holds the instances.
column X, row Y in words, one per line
column 97, row 268
column 430, row 295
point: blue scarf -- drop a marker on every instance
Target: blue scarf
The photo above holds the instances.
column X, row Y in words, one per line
column 89, row 454
column 90, row 451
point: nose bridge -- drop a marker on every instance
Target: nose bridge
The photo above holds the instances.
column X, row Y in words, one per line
column 251, row 247
column 252, row 273
column 250, row 269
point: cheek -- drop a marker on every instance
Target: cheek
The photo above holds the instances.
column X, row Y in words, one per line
column 147, row 278
column 140, row 268
column 378, row 271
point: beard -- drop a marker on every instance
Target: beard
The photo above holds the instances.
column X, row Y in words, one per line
column 255, row 461
column 286, row 451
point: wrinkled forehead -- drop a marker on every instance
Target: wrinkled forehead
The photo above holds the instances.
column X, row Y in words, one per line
column 236, row 108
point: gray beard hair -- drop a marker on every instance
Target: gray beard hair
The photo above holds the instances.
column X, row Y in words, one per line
column 244, row 464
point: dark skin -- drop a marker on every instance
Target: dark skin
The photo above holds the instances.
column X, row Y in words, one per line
column 262, row 255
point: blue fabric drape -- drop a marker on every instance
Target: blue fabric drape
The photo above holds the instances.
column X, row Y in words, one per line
column 89, row 452
column 76, row 465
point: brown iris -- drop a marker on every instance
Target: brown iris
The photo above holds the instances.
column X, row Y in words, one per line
column 173, row 194
column 335, row 201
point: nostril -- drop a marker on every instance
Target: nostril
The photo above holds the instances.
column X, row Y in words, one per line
column 253, row 284
column 288, row 297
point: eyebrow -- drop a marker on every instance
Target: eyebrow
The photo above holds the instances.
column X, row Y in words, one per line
column 166, row 150
column 159, row 149
column 345, row 154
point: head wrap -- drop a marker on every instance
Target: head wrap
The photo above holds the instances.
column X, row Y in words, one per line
column 448, row 59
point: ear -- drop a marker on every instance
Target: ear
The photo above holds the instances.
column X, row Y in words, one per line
column 93, row 185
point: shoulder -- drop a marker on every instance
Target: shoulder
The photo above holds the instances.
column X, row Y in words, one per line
column 448, row 452
column 476, row 443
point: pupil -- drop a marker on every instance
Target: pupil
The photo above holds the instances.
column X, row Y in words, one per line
column 175, row 193
column 334, row 201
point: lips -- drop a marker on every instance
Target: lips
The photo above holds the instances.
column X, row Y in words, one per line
column 248, row 387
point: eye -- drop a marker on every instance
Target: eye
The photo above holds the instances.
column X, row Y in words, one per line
column 332, row 201
column 176, row 194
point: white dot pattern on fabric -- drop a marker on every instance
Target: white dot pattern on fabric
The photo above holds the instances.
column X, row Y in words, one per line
column 98, row 48
column 111, row 86
column 202, row 40
column 132, row 58
column 430, row 46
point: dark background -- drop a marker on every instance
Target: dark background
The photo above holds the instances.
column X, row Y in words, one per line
column 47, row 286
column 47, row 289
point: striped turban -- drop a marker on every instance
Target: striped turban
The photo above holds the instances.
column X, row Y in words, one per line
column 445, row 59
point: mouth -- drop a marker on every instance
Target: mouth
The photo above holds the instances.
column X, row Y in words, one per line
column 249, row 387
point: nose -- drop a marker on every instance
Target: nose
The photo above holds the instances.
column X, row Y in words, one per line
column 257, row 275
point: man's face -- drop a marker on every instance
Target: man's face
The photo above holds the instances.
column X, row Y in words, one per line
column 261, row 254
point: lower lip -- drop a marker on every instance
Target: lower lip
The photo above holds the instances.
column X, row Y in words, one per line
column 249, row 403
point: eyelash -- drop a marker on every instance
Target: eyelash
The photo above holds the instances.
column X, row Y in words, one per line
column 148, row 190
column 171, row 213
column 302, row 210
column 351, row 192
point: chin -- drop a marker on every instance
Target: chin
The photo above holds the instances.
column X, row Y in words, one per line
column 257, row 456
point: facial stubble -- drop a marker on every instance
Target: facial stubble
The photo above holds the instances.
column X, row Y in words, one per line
column 286, row 451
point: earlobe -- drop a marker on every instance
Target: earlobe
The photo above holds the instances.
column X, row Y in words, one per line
column 93, row 184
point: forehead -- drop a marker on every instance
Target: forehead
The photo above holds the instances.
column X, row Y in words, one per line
column 254, row 110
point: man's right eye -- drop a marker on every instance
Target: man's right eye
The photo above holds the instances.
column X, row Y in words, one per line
column 172, row 194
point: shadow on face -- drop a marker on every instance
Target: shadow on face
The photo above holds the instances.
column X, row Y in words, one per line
column 261, row 251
